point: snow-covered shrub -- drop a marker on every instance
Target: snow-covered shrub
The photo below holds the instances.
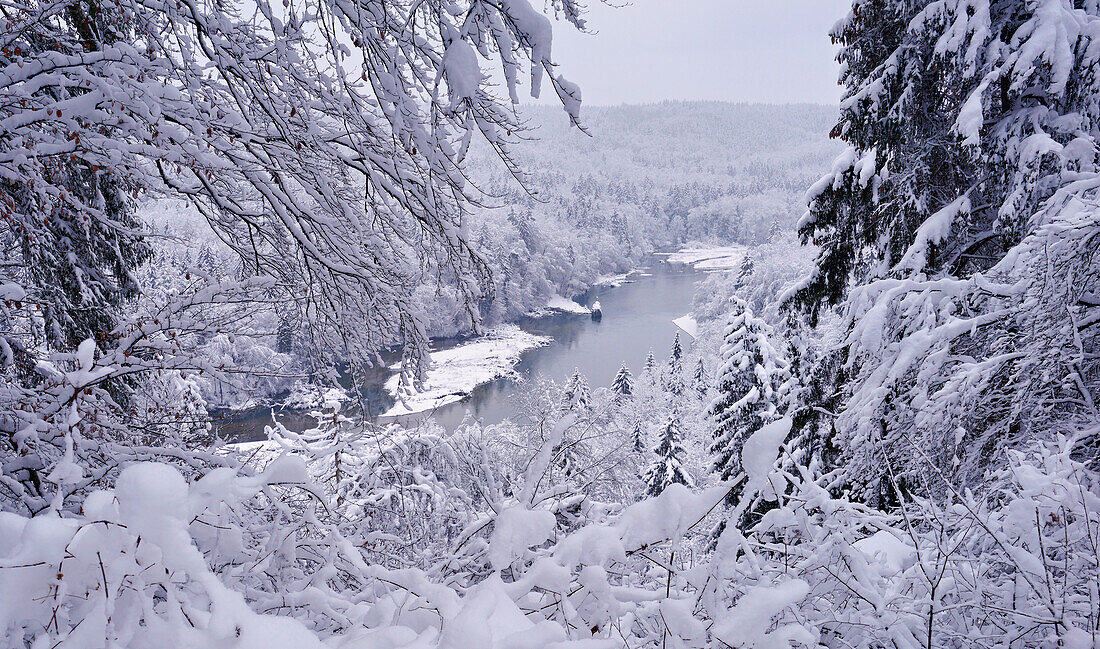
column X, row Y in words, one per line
column 320, row 548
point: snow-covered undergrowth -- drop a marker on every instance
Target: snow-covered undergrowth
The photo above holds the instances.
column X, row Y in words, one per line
column 454, row 373
column 718, row 258
column 294, row 555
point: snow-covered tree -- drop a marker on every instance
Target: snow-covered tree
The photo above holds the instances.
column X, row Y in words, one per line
column 623, row 384
column 674, row 370
column 967, row 193
column 700, row 380
column 775, row 230
column 323, row 142
column 667, row 467
column 637, row 439
column 745, row 270
column 753, row 384
column 677, row 352
column 577, row 393
column 650, row 367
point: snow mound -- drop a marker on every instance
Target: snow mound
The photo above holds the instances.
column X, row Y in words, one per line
column 688, row 325
column 723, row 258
column 759, row 453
column 895, row 554
column 516, row 529
column 454, row 373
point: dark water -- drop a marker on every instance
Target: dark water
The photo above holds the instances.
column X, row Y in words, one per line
column 637, row 317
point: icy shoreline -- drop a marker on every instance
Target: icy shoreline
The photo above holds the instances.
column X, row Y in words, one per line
column 454, row 373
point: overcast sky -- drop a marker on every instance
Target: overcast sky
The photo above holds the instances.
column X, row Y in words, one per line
column 732, row 50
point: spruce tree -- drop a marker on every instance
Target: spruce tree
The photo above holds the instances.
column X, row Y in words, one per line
column 637, row 436
column 941, row 230
column 668, row 466
column 744, row 271
column 650, row 364
column 775, row 231
column 674, row 373
column 207, row 260
column 577, row 393
column 753, row 383
column 699, row 380
column 623, row 385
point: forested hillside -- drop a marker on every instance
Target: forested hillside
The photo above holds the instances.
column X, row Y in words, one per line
column 884, row 432
column 638, row 179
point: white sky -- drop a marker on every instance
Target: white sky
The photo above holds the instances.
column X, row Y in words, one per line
column 773, row 51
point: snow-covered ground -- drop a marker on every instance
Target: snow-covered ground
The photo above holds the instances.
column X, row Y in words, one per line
column 559, row 304
column 688, row 325
column 454, row 373
column 722, row 258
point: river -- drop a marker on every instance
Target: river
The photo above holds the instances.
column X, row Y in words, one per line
column 637, row 318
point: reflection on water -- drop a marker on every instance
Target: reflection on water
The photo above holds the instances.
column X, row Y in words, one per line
column 637, row 317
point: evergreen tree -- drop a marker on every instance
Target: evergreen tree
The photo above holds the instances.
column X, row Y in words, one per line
column 619, row 229
column 775, row 231
column 81, row 269
column 289, row 325
column 668, row 466
column 752, row 385
column 637, row 436
column 650, row 364
column 568, row 458
column 674, row 373
column 577, row 393
column 744, row 271
column 525, row 225
column 699, row 380
column 207, row 260
column 931, row 226
column 677, row 350
column 623, row 385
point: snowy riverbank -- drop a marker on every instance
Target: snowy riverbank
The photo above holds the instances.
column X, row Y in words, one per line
column 615, row 281
column 721, row 258
column 559, row 304
column 688, row 325
column 454, row 373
